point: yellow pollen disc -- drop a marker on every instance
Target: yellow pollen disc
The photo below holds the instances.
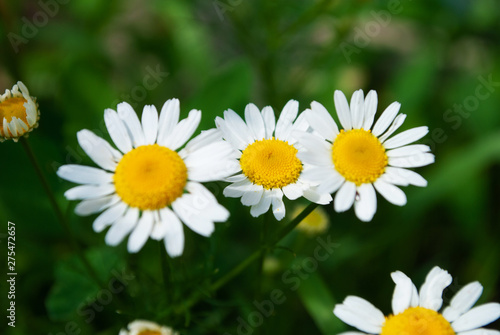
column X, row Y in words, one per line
column 359, row 156
column 271, row 163
column 149, row 332
column 12, row 107
column 417, row 321
column 150, row 177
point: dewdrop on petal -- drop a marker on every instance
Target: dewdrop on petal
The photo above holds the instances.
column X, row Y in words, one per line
column 143, row 327
column 19, row 113
column 313, row 224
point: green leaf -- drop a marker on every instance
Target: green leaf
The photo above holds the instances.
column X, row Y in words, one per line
column 319, row 302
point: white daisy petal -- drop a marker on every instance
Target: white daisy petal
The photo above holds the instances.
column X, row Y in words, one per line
column 477, row 317
column 463, row 301
column 321, row 121
column 403, row 177
column 117, row 131
column 413, row 161
column 235, row 178
column 229, row 135
column 212, row 162
column 207, row 203
column 189, row 209
column 141, row 232
column 237, row 126
column 285, row 121
column 237, row 189
column 361, row 314
column 366, row 206
column 263, row 205
column 183, row 130
column 398, row 122
column 342, row 108
column 150, row 124
column 293, row 191
column 432, row 289
column 408, row 150
column 403, row 292
column 352, row 333
column 252, row 197
column 174, row 234
column 406, row 137
column 89, row 191
column 370, row 107
column 92, row 206
column 390, row 192
column 122, row 227
column 386, row 118
column 169, row 117
column 109, row 216
column 81, row 174
column 345, row 197
column 129, row 117
column 99, row 150
column 269, row 121
column 300, row 124
column 357, row 109
column 278, row 205
column 313, row 195
column 480, row 331
column 255, row 122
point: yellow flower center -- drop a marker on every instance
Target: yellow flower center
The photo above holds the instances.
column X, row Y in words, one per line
column 12, row 107
column 150, row 177
column 359, row 156
column 316, row 222
column 149, row 332
column 271, row 163
column 417, row 321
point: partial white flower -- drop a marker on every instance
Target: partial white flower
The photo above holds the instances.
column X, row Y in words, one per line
column 416, row 313
column 150, row 186
column 362, row 157
column 143, row 327
column 269, row 163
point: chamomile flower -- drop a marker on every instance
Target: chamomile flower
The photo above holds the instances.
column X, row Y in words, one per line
column 315, row 223
column 270, row 167
column 362, row 157
column 143, row 327
column 149, row 186
column 19, row 113
column 416, row 313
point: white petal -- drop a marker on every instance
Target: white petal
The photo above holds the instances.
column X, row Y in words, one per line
column 390, row 192
column 200, row 141
column 315, row 144
column 141, row 232
column 98, row 150
column 320, row 156
column 329, row 179
column 313, row 195
column 213, row 162
column 263, row 205
column 463, row 301
column 189, row 209
column 183, row 130
column 89, row 191
column 236, row 178
column 386, row 118
column 252, row 197
column 129, row 117
column 237, row 126
column 150, row 124
column 109, row 216
column 292, row 191
column 278, row 205
column 432, row 289
column 117, row 131
column 477, row 317
column 398, row 122
column 285, row 121
column 300, row 124
column 84, row 174
column 349, row 333
column 370, row 107
column 366, row 206
column 321, row 121
column 357, row 109
column 480, row 331
column 405, row 292
column 402, row 177
column 122, row 227
column 417, row 160
column 408, row 150
column 269, row 121
column 406, row 137
column 92, row 206
column 342, row 108
column 345, row 197
column 255, row 122
column 237, row 189
column 169, row 117
column 174, row 235
column 361, row 314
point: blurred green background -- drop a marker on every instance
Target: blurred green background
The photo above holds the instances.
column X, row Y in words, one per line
column 439, row 59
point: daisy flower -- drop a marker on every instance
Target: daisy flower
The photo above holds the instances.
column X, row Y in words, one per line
column 270, row 167
column 148, row 187
column 143, row 327
column 19, row 113
column 417, row 313
column 362, row 157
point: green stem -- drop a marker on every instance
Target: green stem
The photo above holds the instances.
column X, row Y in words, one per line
column 58, row 212
column 250, row 259
column 165, row 269
column 263, row 242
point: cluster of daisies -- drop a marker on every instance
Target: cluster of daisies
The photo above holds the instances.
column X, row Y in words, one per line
column 150, row 183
